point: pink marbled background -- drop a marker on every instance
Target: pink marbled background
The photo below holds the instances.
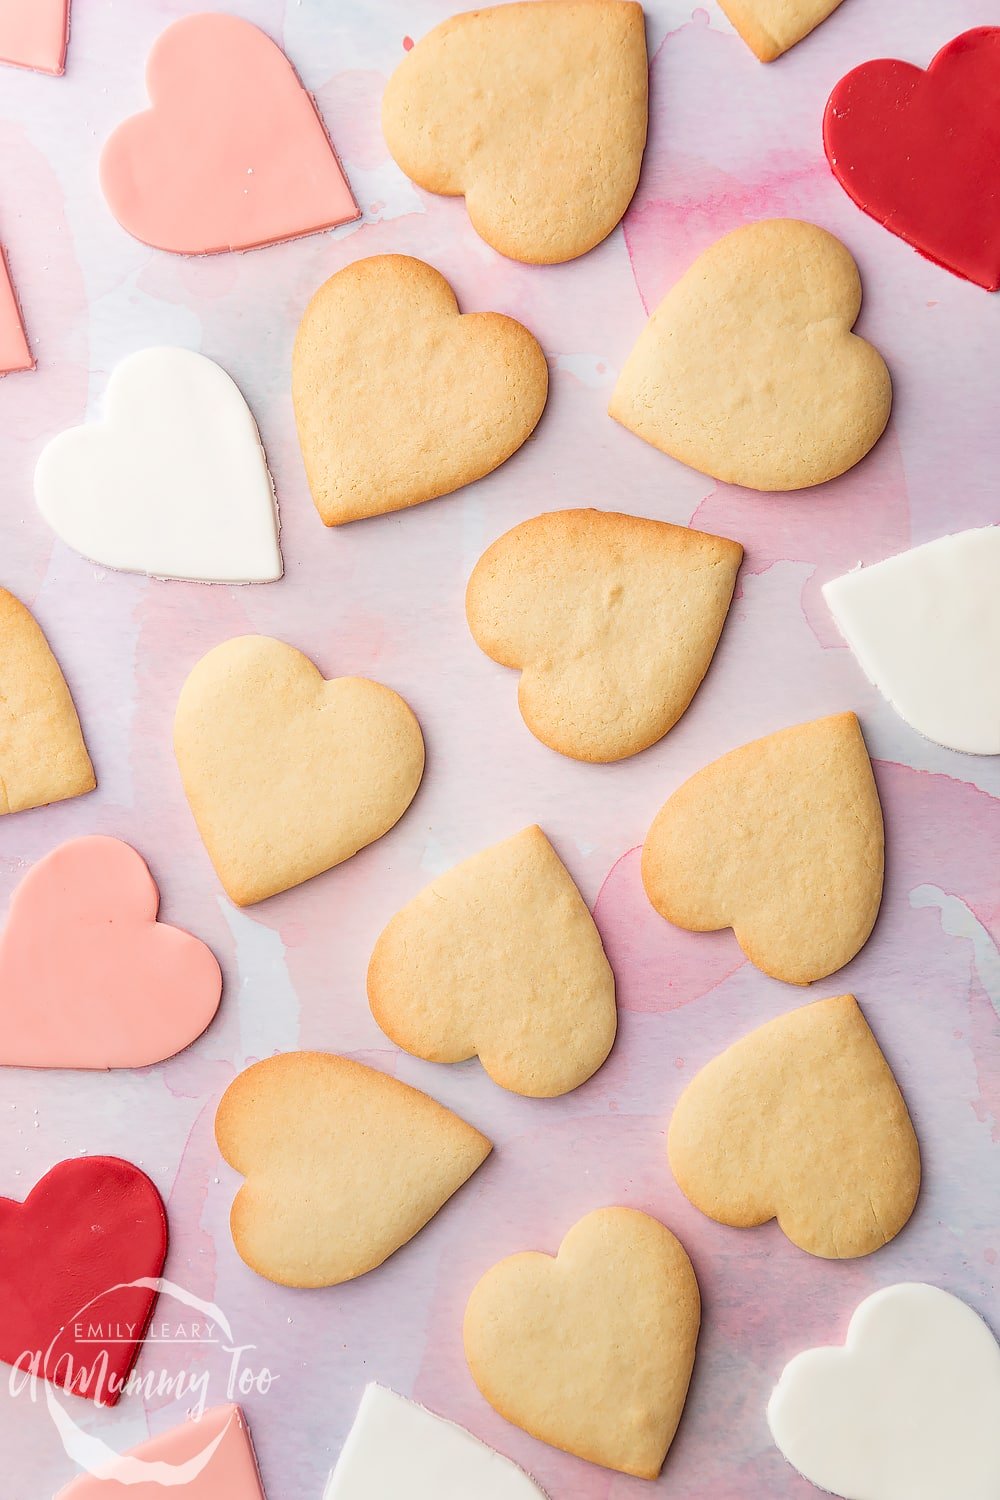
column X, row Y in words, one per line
column 730, row 142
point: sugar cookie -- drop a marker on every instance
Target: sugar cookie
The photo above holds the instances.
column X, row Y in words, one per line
column 398, row 397
column 535, row 112
column 499, row 958
column 906, row 1409
column 172, row 482
column 591, row 1350
column 803, row 1122
column 770, row 27
column 781, row 840
column 42, row 755
column 748, row 369
column 287, row 773
column 231, row 153
column 612, row 621
column 343, row 1165
column 925, row 628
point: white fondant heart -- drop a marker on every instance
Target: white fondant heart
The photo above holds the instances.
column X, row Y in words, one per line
column 908, row 1409
column 925, row 628
column 172, row 482
column 397, row 1448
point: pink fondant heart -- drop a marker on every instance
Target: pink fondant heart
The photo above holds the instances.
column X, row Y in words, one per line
column 14, row 351
column 88, row 977
column 33, row 34
column 211, row 1458
column 231, row 155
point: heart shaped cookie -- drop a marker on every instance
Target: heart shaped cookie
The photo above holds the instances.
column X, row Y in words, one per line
column 34, row 34
column 42, row 755
column 172, row 482
column 770, row 27
column 232, row 153
column 918, row 151
column 288, row 774
column 612, row 621
column 399, row 398
column 209, row 1458
column 925, row 628
column 803, row 1122
column 591, row 1350
column 905, row 1410
column 499, row 958
column 14, row 351
column 88, row 977
column 782, row 841
column 76, row 1261
column 535, row 112
column 748, row 369
column 343, row 1165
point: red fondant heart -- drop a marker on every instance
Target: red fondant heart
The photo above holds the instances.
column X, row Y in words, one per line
column 920, row 151
column 68, row 1257
column 88, row 977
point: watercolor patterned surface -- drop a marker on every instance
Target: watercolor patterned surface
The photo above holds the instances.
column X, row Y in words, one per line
column 730, row 142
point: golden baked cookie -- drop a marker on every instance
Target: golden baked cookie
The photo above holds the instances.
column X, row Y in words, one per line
column 499, row 958
column 288, row 774
column 748, row 369
column 770, row 27
column 803, row 1122
column 398, row 397
column 343, row 1165
column 43, row 757
column 782, row 841
column 612, row 621
column 591, row 1350
column 536, row 112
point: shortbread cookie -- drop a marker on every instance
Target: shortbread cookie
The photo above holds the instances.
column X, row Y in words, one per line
column 535, row 112
column 499, row 958
column 172, row 481
column 611, row 619
column 591, row 1350
column 398, row 397
column 343, row 1165
column 288, row 774
column 803, row 1122
column 925, row 628
column 42, row 755
column 231, row 154
column 770, row 27
column 906, row 1409
column 782, row 841
column 209, row 1458
column 397, row 1448
column 748, row 369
